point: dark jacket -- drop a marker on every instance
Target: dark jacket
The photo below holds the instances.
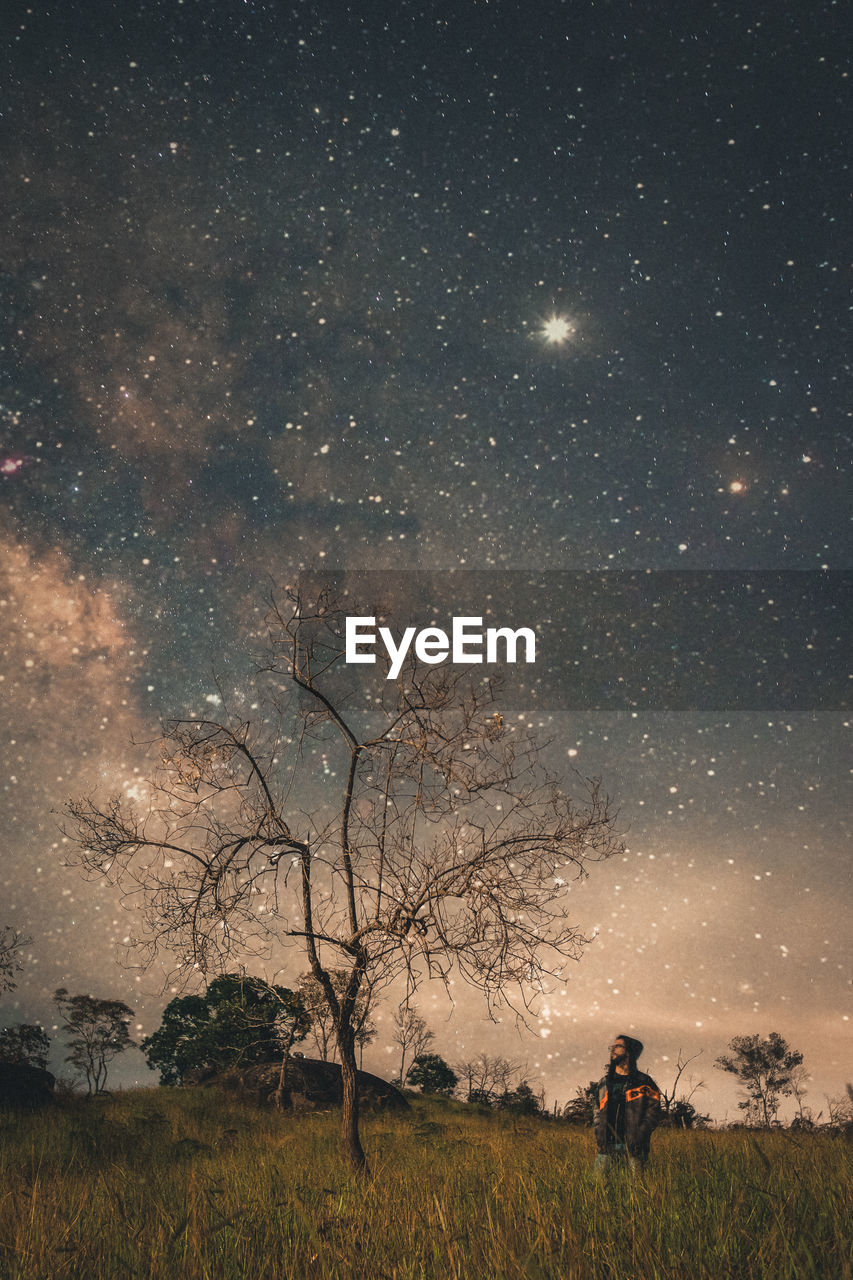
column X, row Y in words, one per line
column 642, row 1114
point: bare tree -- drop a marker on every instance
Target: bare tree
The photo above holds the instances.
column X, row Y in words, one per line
column 322, row 1024
column 839, row 1110
column 400, row 832
column 10, row 963
column 486, row 1078
column 292, row 1025
column 670, row 1097
column 800, row 1078
column 410, row 1033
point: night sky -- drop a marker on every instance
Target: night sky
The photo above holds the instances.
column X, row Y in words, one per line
column 515, row 291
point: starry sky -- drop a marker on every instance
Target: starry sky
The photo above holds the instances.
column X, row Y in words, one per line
column 478, row 297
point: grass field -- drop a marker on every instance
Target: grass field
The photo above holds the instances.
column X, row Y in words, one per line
column 161, row 1183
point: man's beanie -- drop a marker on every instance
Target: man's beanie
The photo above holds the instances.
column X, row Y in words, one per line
column 634, row 1047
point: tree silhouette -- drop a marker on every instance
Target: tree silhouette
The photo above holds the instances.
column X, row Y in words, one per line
column 581, row 1108
column 487, row 1078
column 683, row 1105
column 322, row 1030
column 800, row 1078
column 839, row 1110
column 521, row 1101
column 403, row 831
column 765, row 1069
column 683, row 1115
column 10, row 962
column 25, row 1042
column 410, row 1033
column 431, row 1074
column 97, row 1031
column 237, row 1020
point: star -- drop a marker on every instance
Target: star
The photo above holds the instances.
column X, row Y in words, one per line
column 557, row 330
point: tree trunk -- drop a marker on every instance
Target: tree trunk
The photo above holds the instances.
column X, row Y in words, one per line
column 281, row 1097
column 350, row 1140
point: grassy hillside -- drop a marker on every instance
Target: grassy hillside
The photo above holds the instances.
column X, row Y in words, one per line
column 161, row 1183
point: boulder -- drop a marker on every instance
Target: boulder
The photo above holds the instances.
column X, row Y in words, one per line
column 23, row 1085
column 311, row 1084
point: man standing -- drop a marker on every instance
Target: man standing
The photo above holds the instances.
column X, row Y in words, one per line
column 628, row 1109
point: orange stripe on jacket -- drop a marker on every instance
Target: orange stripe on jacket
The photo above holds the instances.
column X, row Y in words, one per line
column 642, row 1089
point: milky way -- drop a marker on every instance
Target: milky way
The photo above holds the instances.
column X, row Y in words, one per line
column 461, row 287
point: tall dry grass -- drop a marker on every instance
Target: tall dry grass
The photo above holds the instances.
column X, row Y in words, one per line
column 168, row 1184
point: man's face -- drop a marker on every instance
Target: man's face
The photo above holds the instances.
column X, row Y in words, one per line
column 618, row 1052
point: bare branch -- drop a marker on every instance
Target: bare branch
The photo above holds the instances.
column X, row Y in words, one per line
column 11, row 942
column 429, row 840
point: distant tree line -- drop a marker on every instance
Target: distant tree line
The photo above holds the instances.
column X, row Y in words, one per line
column 97, row 1032
column 240, row 1020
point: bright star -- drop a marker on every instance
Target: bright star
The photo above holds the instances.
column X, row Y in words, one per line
column 557, row 329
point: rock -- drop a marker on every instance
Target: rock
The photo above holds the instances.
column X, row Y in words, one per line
column 313, row 1085
column 23, row 1085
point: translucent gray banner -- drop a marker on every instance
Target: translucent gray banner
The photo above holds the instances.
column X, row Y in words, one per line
column 665, row 641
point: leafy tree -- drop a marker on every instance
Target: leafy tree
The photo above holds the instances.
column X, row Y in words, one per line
column 402, row 832
column 410, row 1033
column 431, row 1074
column 97, row 1031
column 181, row 1044
column 521, row 1101
column 25, row 1042
column 581, row 1108
column 765, row 1070
column 238, row 1020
